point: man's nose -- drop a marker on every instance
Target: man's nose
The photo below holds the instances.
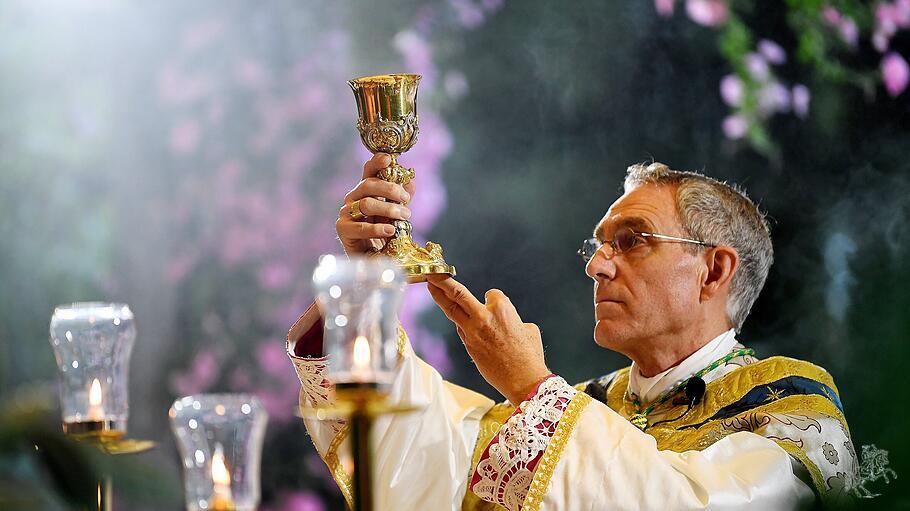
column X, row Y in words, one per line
column 600, row 266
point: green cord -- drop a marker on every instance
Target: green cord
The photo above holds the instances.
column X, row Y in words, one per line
column 640, row 418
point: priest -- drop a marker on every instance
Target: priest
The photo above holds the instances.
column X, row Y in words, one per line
column 697, row 421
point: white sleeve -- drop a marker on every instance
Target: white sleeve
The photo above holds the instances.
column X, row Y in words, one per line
column 590, row 457
column 421, row 458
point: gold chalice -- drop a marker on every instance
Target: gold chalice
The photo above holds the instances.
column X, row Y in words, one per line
column 387, row 121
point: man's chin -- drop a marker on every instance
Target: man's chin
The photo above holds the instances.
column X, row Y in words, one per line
column 608, row 334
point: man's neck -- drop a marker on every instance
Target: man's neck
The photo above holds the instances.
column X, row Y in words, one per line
column 669, row 352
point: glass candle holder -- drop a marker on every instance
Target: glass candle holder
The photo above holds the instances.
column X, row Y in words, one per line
column 220, row 441
column 359, row 300
column 92, row 343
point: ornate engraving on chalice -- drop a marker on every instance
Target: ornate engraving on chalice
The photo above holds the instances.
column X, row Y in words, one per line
column 387, row 121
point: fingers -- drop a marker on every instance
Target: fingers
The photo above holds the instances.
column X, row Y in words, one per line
column 348, row 229
column 456, row 292
column 378, row 162
column 375, row 187
column 370, row 206
column 451, row 309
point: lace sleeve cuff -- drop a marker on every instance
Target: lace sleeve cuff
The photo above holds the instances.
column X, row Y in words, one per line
column 515, row 468
column 304, row 347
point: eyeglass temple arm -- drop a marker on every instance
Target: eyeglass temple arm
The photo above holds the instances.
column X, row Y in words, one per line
column 674, row 238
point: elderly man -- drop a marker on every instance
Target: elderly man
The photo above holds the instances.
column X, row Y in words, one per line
column 696, row 422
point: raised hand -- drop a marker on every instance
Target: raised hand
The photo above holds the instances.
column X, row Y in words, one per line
column 379, row 203
column 507, row 351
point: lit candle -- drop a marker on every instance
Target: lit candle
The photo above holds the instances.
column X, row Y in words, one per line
column 362, row 369
column 222, row 499
column 95, row 410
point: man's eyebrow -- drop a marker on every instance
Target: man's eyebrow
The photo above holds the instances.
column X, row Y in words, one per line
column 634, row 222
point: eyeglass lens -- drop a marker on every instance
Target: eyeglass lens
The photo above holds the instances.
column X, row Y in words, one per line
column 623, row 240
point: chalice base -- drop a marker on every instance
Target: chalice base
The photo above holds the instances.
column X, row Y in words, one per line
column 415, row 261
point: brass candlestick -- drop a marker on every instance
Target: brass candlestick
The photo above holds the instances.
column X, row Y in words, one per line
column 388, row 123
column 360, row 404
column 92, row 343
column 109, row 442
column 359, row 299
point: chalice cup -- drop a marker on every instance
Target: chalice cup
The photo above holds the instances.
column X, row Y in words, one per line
column 387, row 121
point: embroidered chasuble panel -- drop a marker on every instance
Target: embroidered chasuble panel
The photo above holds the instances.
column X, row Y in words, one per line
column 791, row 402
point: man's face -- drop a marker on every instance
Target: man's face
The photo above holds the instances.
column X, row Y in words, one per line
column 652, row 290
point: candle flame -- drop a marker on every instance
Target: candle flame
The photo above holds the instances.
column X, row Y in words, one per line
column 94, row 393
column 361, row 352
column 220, row 474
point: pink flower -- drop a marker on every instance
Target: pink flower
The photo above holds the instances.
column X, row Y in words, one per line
column 251, row 74
column 881, row 41
column 895, row 73
column 902, row 13
column 469, row 14
column 199, row 377
column 772, row 51
column 735, row 127
column 180, row 267
column 664, row 7
column 426, row 157
column 800, row 98
column 845, row 25
column 731, row 90
column 773, row 98
column 831, row 15
column 302, row 501
column 185, row 136
column 849, row 32
column 757, row 66
column 279, row 404
column 272, row 358
column 418, row 56
column 274, row 276
column 890, row 17
column 709, row 13
column 492, row 5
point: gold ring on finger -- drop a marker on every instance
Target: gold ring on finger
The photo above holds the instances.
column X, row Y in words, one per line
column 356, row 214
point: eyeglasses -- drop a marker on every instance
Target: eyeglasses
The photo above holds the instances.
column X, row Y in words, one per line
column 626, row 239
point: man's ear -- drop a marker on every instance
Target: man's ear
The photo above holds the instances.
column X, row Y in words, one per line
column 721, row 263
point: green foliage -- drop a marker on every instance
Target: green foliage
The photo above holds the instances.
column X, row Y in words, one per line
column 44, row 469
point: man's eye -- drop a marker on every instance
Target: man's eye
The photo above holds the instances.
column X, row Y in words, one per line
column 628, row 240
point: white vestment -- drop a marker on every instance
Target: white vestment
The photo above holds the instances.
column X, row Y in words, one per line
column 563, row 450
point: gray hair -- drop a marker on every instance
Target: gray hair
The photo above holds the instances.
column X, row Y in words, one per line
column 720, row 214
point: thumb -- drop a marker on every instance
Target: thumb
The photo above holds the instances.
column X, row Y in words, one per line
column 497, row 301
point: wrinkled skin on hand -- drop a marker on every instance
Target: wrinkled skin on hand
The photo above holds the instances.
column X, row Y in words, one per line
column 507, row 351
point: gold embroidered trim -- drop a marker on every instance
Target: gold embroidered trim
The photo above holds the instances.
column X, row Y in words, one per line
column 334, row 463
column 793, row 450
column 731, row 387
column 671, row 439
column 553, row 452
column 402, row 340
